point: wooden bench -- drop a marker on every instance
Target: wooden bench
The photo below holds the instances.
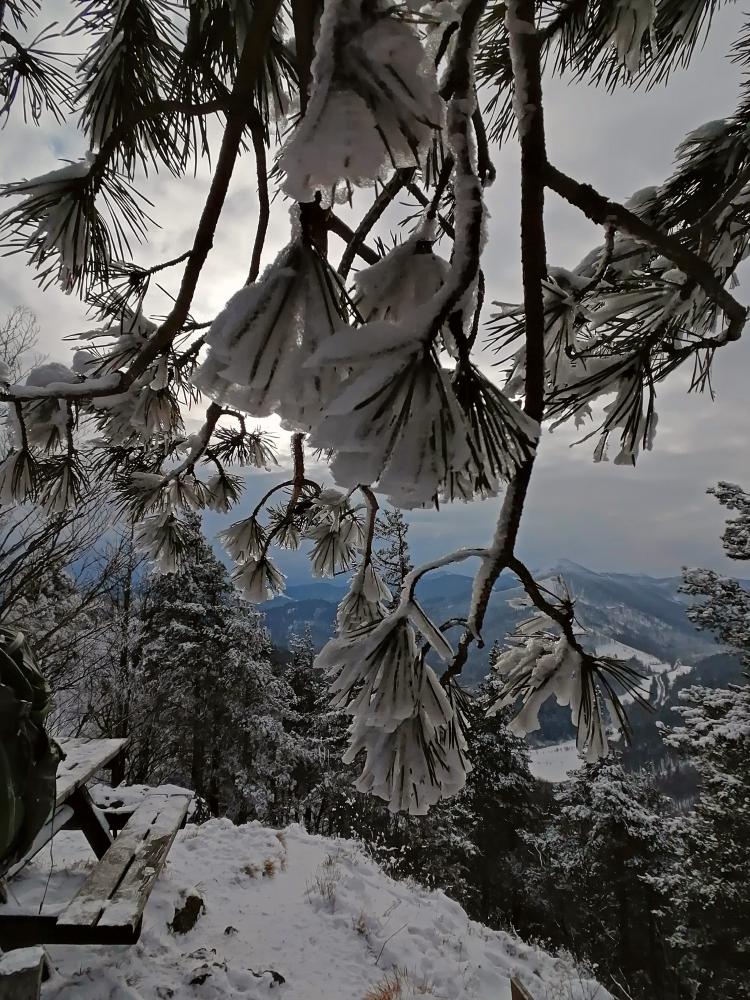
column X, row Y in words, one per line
column 108, row 908
column 73, row 805
column 21, row 974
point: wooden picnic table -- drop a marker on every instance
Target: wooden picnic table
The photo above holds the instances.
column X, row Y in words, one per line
column 83, row 759
column 108, row 908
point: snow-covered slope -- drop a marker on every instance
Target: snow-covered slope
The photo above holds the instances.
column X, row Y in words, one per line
column 554, row 763
column 311, row 911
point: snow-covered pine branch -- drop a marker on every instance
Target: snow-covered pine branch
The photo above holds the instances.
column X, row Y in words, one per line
column 385, row 379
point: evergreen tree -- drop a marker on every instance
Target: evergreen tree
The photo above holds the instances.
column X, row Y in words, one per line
column 392, row 556
column 212, row 707
column 500, row 802
column 324, row 797
column 609, row 837
column 708, row 883
column 709, row 879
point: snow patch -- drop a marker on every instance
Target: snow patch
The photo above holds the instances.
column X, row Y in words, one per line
column 308, row 917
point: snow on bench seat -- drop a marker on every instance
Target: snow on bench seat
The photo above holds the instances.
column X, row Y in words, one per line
column 117, row 890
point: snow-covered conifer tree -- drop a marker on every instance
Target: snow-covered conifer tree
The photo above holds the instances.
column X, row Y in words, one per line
column 392, row 554
column 599, row 859
column 712, row 866
column 370, row 103
column 210, row 705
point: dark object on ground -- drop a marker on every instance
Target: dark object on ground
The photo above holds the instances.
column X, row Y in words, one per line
column 28, row 757
column 186, row 916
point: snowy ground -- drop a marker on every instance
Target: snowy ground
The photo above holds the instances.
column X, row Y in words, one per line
column 313, row 911
column 553, row 763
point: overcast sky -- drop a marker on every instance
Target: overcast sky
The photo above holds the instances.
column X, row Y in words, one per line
column 654, row 518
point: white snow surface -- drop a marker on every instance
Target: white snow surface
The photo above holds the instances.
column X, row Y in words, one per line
column 334, row 944
column 554, row 763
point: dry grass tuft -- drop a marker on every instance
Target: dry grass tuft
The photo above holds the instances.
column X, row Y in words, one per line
column 326, row 878
column 398, row 985
column 269, row 867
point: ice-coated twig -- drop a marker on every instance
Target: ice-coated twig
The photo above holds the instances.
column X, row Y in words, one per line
column 411, row 580
column 525, row 45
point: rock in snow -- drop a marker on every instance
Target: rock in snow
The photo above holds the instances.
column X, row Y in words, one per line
column 312, row 919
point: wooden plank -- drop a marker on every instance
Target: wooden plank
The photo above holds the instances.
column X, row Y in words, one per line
column 89, row 902
column 143, row 844
column 92, row 823
column 58, row 820
column 21, row 974
column 126, row 906
column 83, row 759
column 20, row 929
column 518, row 991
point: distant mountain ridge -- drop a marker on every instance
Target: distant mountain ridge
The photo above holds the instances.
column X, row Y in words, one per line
column 638, row 618
column 644, row 613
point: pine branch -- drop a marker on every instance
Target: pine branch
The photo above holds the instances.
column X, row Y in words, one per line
column 250, row 67
column 384, row 198
column 264, row 203
column 526, row 50
column 339, row 228
column 423, row 200
column 304, row 18
column 609, row 213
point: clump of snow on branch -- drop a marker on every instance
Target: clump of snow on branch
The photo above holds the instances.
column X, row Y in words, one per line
column 265, row 333
column 162, row 539
column 366, row 601
column 53, row 215
column 540, row 664
column 403, row 720
column 17, row 478
column 373, row 103
column 258, row 580
column 407, row 277
column 632, row 21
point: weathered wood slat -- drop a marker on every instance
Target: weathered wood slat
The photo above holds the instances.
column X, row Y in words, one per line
column 116, row 891
column 91, row 821
column 21, row 930
column 58, row 820
column 83, row 758
column 21, row 974
column 89, row 902
column 126, row 907
column 518, row 991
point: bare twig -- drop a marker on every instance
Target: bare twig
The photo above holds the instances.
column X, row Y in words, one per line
column 339, row 228
column 264, row 204
column 384, row 198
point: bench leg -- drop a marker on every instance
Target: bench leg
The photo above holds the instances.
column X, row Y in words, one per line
column 21, row 930
column 90, row 821
column 21, row 974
